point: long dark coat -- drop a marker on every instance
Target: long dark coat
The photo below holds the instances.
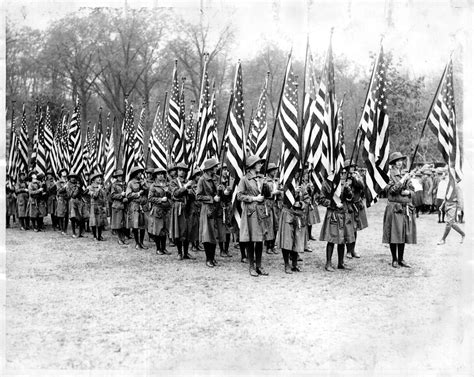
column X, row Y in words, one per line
column 254, row 215
column 98, row 210
column 51, row 195
column 35, row 191
column 338, row 225
column 399, row 221
column 178, row 227
column 136, row 201
column 21, row 191
column 360, row 213
column 11, row 199
column 76, row 205
column 193, row 213
column 291, row 233
column 119, row 201
column 205, row 192
column 62, row 205
column 158, row 222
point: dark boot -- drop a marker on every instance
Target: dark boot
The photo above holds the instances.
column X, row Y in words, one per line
column 286, row 259
column 137, row 239
column 94, row 232
column 186, row 254
column 142, row 237
column 99, row 234
column 329, row 251
column 393, row 250
column 340, row 258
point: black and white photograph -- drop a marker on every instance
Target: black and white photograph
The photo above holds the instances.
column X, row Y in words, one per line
column 237, row 188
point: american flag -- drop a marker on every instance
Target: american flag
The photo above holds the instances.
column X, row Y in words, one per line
column 35, row 136
column 65, row 155
column 100, row 146
column 75, row 143
column 203, row 121
column 110, row 163
column 23, row 144
column 174, row 119
column 235, row 136
column 128, row 140
column 182, row 120
column 40, row 156
column 442, row 121
column 89, row 151
column 158, row 142
column 287, row 119
column 213, row 138
column 251, row 140
column 14, row 152
column 260, row 124
column 322, row 112
column 139, row 155
column 48, row 137
column 55, row 156
column 374, row 131
column 189, row 141
column 339, row 153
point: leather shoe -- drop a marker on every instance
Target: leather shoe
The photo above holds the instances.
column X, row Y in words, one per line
column 288, row 269
column 329, row 268
column 144, row 247
column 187, row 256
column 296, row 269
column 300, row 259
column 403, row 264
column 244, row 260
column 209, row 264
column 138, row 246
column 252, row 272
column 395, row 265
column 311, row 238
column 180, row 257
column 262, row 272
column 349, row 255
column 214, row 262
column 269, row 251
column 308, row 250
column 274, row 251
column 355, row 255
column 343, row 267
column 159, row 252
column 121, row 242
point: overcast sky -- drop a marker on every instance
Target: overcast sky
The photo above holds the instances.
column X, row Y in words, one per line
column 423, row 33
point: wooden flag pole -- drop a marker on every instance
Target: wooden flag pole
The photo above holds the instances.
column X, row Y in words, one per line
column 276, row 118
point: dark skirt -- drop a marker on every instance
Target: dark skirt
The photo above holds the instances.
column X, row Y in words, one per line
column 158, row 222
column 61, row 207
column 399, row 224
column 338, row 227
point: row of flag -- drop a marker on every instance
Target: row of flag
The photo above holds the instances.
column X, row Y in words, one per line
column 313, row 144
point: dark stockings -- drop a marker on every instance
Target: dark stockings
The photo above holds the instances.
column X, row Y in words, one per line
column 401, row 250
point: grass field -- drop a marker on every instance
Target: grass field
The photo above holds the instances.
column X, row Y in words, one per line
column 81, row 304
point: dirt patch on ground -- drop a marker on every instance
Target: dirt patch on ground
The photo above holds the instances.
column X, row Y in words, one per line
column 80, row 304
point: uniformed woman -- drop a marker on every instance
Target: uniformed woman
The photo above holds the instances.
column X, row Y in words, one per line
column 98, row 209
column 272, row 204
column 206, row 193
column 292, row 231
column 178, row 227
column 137, row 197
column 10, row 200
column 21, row 191
column 399, row 221
column 51, row 198
column 35, row 192
column 252, row 230
column 119, row 202
column 76, row 205
column 159, row 199
column 193, row 210
column 224, row 210
column 358, row 205
column 338, row 226
column 62, row 207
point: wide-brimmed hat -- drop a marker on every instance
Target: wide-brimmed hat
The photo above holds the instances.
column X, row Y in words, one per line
column 61, row 170
column 251, row 161
column 149, row 171
column 223, row 166
column 135, row 170
column 158, row 171
column 182, row 166
column 72, row 175
column 395, row 156
column 195, row 172
column 271, row 166
column 210, row 163
column 95, row 175
column 349, row 164
column 426, row 171
column 117, row 173
column 171, row 167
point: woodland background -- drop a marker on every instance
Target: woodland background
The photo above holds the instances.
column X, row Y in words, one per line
column 98, row 55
